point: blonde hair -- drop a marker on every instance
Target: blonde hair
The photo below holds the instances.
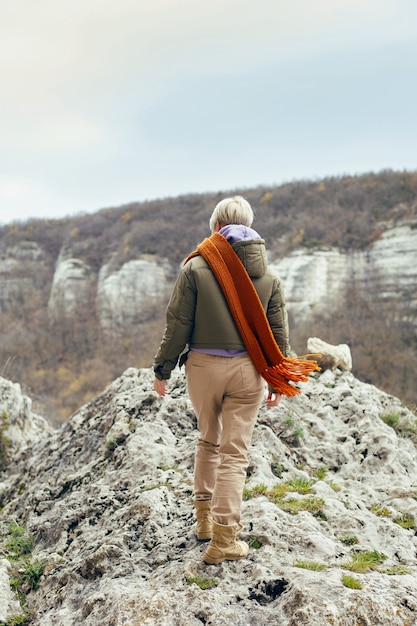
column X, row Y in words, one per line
column 234, row 210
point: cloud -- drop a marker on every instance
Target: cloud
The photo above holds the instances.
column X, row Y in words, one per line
column 105, row 102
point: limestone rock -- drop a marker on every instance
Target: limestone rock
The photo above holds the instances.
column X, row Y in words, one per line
column 108, row 498
column 330, row 356
column 314, row 281
column 70, row 288
column 19, row 427
column 129, row 296
column 9, row 604
column 21, row 267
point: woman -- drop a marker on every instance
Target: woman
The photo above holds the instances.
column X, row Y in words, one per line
column 224, row 386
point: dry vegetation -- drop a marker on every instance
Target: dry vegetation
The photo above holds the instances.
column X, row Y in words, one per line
column 65, row 364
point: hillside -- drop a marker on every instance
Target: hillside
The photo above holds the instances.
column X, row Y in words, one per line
column 97, row 526
column 83, row 298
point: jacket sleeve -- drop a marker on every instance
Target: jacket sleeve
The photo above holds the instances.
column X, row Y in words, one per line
column 179, row 324
column 278, row 318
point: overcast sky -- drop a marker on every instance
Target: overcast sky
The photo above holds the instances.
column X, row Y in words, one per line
column 104, row 102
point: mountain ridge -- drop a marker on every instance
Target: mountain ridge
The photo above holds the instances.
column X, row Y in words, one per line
column 83, row 298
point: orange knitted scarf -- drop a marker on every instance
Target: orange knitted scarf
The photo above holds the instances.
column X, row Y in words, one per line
column 250, row 318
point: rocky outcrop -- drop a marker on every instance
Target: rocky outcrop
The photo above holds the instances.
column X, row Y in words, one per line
column 20, row 428
column 314, row 281
column 130, row 295
column 328, row 356
column 21, row 270
column 70, row 288
column 108, row 498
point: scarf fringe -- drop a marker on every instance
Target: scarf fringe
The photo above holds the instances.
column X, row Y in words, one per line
column 296, row 370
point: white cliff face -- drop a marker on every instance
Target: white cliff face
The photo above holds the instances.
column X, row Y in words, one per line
column 108, row 498
column 395, row 258
column 314, row 281
column 20, row 267
column 129, row 296
column 70, row 287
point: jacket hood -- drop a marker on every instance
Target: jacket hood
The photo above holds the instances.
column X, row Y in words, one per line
column 252, row 253
column 249, row 247
column 238, row 232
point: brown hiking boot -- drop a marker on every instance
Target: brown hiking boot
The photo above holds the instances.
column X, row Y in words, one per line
column 223, row 545
column 204, row 525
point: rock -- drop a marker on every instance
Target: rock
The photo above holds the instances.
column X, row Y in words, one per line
column 19, row 427
column 330, row 356
column 108, row 498
column 314, row 281
column 70, row 288
column 9, row 604
column 21, row 272
column 131, row 295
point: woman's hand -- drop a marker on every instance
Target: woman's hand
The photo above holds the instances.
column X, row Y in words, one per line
column 160, row 386
column 273, row 399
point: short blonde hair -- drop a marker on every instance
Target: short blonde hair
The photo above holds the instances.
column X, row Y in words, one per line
column 234, row 210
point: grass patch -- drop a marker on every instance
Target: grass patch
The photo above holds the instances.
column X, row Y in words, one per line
column 391, row 419
column 200, row 581
column 278, row 494
column 321, row 472
column 351, row 582
column 333, row 486
column 21, row 619
column 295, row 506
column 349, row 540
column 19, row 543
column 405, row 520
column 294, row 485
column 380, row 510
column 254, row 492
column 311, row 565
column 255, row 543
column 396, row 570
column 364, row 561
column 25, row 579
column 25, row 572
column 403, row 426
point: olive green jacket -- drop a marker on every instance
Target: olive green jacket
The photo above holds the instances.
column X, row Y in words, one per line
column 198, row 316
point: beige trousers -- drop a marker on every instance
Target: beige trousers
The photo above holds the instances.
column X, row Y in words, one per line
column 226, row 394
